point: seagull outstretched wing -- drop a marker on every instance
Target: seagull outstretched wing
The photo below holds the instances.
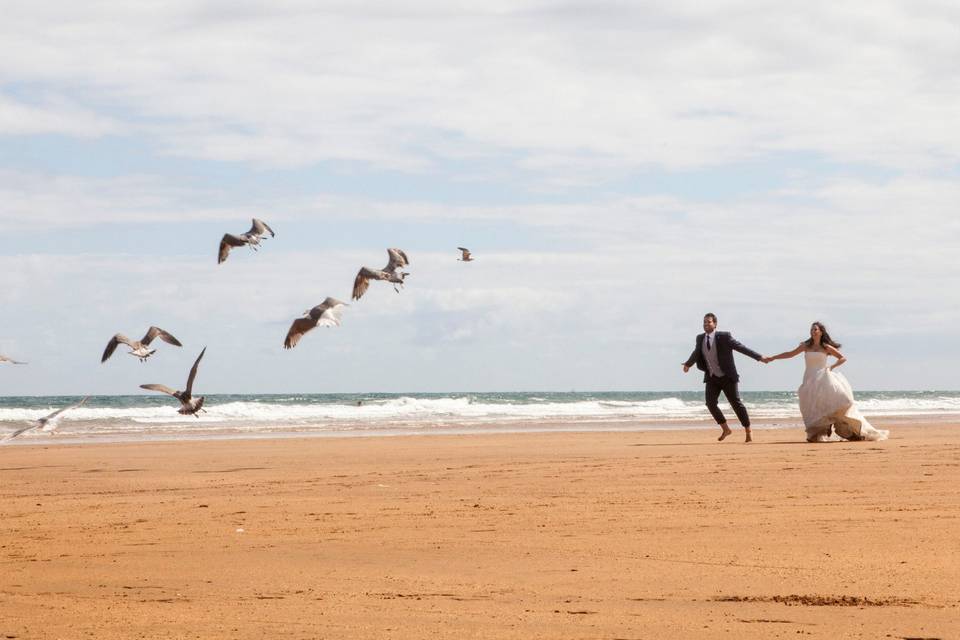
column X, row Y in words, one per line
column 112, row 345
column 260, row 228
column 228, row 242
column 154, row 332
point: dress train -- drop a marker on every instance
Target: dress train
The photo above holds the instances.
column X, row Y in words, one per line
column 827, row 404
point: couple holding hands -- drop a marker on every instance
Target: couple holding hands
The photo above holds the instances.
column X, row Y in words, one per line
column 826, row 398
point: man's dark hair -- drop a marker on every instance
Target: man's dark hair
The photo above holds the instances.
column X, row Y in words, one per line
column 710, row 315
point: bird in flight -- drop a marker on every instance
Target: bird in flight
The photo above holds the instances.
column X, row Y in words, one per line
column 325, row 314
column 465, row 255
column 139, row 348
column 389, row 273
column 48, row 423
column 189, row 406
column 251, row 238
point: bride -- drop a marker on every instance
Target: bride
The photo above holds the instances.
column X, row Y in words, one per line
column 826, row 399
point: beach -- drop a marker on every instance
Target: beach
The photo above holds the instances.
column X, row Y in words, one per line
column 634, row 534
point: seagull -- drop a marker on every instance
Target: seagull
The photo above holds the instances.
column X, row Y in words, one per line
column 389, row 273
column 139, row 348
column 47, row 423
column 188, row 404
column 466, row 255
column 325, row 314
column 4, row 358
column 250, row 238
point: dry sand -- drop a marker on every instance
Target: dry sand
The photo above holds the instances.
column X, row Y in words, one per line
column 558, row 535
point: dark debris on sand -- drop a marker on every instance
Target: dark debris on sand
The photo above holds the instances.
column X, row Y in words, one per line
column 824, row 601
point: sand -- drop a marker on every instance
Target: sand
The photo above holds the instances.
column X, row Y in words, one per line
column 649, row 534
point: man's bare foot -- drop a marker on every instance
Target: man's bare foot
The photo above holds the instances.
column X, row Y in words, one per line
column 749, row 438
column 726, row 432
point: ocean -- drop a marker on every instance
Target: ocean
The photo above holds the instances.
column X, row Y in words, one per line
column 148, row 417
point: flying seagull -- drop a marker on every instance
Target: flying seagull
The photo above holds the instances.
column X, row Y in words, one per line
column 4, row 358
column 465, row 253
column 251, row 238
column 47, row 423
column 188, row 404
column 389, row 273
column 325, row 314
column 139, row 348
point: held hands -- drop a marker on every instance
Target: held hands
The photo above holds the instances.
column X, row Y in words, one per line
column 766, row 360
column 686, row 367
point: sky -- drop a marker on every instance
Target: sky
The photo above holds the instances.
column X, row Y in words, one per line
column 618, row 169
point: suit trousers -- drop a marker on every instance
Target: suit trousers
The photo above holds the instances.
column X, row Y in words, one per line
column 730, row 389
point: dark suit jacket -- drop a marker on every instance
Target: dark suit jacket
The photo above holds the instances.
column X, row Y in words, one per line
column 725, row 345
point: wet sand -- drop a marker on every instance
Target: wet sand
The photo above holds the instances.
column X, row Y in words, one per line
column 649, row 534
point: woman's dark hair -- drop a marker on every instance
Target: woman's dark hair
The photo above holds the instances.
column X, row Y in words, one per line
column 824, row 336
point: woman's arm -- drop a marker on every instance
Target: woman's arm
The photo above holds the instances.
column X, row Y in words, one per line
column 836, row 354
column 788, row 354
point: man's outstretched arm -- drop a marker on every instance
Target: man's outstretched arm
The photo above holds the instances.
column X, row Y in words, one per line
column 747, row 351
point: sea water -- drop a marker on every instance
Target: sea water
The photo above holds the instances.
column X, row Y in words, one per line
column 144, row 417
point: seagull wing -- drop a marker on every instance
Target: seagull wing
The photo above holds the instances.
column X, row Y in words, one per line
column 154, row 332
column 10, row 360
column 260, row 228
column 328, row 314
column 112, row 345
column 332, row 302
column 226, row 243
column 397, row 259
column 299, row 327
column 162, row 388
column 49, row 422
column 193, row 374
column 362, row 282
column 67, row 408
column 19, row 431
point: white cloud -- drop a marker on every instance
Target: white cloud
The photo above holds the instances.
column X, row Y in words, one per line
column 53, row 117
column 671, row 85
column 541, row 98
column 33, row 201
column 903, row 228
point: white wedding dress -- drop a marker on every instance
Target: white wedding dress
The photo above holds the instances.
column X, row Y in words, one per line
column 826, row 401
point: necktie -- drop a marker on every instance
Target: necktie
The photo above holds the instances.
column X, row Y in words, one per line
column 708, row 343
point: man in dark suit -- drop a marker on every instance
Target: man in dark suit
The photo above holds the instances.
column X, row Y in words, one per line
column 714, row 356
